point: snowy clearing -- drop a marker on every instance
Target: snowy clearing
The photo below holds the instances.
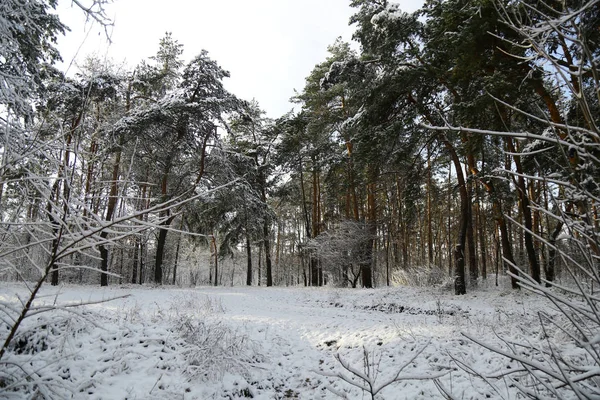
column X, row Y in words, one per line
column 268, row 343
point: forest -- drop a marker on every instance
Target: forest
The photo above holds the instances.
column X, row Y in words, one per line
column 454, row 146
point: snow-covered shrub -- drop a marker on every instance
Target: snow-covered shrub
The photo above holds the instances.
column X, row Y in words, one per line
column 35, row 363
column 211, row 347
column 368, row 375
column 420, row 276
column 342, row 250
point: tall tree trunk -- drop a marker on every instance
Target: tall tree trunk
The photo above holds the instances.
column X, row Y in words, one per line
column 482, row 239
column 249, row 260
column 534, row 266
column 307, row 225
column 278, row 251
column 471, row 168
column 267, row 244
column 460, row 286
column 429, row 211
column 314, row 265
column 55, row 223
column 55, row 193
column 449, row 219
column 160, row 247
column 135, row 260
column 167, row 218
column 473, row 267
column 260, row 251
column 103, row 259
column 367, row 267
column 143, row 255
column 110, row 209
column 213, row 243
column 177, row 256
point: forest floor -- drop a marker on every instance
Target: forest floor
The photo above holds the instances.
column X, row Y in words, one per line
column 268, row 343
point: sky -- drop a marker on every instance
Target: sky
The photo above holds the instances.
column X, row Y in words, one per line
column 268, row 46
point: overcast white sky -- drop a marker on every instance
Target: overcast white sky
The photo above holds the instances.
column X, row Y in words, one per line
column 269, row 46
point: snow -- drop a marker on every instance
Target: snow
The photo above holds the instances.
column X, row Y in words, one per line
column 271, row 343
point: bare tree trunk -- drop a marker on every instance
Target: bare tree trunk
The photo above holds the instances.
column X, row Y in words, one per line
column 429, row 211
column 110, row 209
column 248, row 260
column 164, row 225
column 460, row 286
column 449, row 222
column 215, row 255
column 260, row 250
column 482, row 239
column 142, row 262
column 267, row 244
column 54, row 222
column 135, row 260
column 177, row 256
column 278, row 251
column 314, row 266
column 160, row 248
column 534, row 266
column 367, row 267
column 473, row 267
column 387, row 259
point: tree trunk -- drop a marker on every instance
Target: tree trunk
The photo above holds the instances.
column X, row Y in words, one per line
column 449, row 221
column 110, row 209
column 534, row 266
column 473, row 267
column 55, row 230
column 314, row 265
column 260, row 250
column 213, row 243
column 460, row 286
column 160, row 248
column 249, row 260
column 103, row 259
column 66, row 196
column 482, row 239
column 167, row 219
column 429, row 212
column 142, row 263
column 387, row 259
column 176, row 259
column 267, row 244
column 135, row 260
column 367, row 267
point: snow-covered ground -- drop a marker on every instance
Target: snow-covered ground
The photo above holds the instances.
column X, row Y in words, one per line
column 267, row 343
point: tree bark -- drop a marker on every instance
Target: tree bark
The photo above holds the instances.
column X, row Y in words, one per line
column 534, row 266
column 176, row 259
column 110, row 209
column 267, row 244
column 249, row 260
column 429, row 211
column 314, row 265
column 215, row 254
column 367, row 267
column 460, row 286
column 135, row 260
column 160, row 248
